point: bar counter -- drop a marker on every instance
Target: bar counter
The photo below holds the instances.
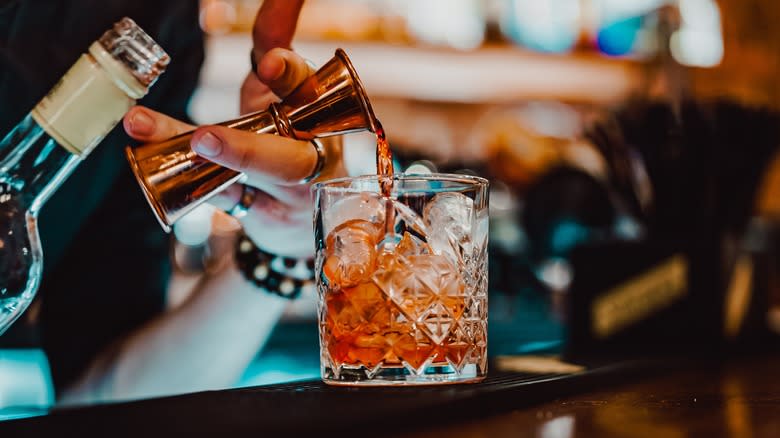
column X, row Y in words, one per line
column 738, row 397
column 734, row 398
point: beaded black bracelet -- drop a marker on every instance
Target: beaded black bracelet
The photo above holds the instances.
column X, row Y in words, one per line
column 272, row 272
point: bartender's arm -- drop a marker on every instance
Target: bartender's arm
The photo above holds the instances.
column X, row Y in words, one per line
column 209, row 340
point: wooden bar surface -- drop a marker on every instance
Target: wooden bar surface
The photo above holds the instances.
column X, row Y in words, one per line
column 737, row 398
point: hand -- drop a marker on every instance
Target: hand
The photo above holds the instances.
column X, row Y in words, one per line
column 280, row 218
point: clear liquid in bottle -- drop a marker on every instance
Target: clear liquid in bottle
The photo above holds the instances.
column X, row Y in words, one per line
column 19, row 256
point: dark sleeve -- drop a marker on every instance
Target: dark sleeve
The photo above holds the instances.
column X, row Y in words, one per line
column 111, row 280
column 184, row 41
column 112, row 277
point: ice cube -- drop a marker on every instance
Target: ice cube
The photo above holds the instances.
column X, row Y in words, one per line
column 342, row 317
column 371, row 304
column 399, row 281
column 411, row 246
column 449, row 218
column 351, row 253
column 365, row 206
column 445, row 281
column 407, row 219
column 451, row 211
column 440, row 275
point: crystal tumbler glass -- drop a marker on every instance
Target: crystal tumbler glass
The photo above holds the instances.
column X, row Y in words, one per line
column 402, row 280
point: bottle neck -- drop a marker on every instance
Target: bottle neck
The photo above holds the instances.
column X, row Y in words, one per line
column 86, row 103
column 66, row 125
column 33, row 163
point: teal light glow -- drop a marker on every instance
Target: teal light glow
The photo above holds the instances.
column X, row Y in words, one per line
column 543, row 25
column 619, row 37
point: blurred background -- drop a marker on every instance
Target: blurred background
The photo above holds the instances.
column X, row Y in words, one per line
column 512, row 90
column 507, row 89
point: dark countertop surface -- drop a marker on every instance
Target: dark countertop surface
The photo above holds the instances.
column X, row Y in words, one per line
column 738, row 397
column 735, row 398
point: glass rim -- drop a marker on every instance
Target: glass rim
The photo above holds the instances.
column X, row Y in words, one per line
column 468, row 181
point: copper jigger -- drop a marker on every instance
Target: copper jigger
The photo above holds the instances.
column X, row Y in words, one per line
column 175, row 180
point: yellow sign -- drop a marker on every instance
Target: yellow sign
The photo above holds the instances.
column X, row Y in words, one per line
column 639, row 297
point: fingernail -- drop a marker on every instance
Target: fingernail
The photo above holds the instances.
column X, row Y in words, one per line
column 208, row 145
column 141, row 124
column 280, row 71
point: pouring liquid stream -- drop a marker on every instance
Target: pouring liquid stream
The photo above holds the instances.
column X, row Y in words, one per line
column 384, row 170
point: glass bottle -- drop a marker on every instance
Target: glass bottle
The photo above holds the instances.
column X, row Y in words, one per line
column 46, row 146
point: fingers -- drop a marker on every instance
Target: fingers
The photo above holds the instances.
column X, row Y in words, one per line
column 146, row 125
column 283, row 70
column 279, row 72
column 255, row 95
column 226, row 199
column 280, row 202
column 275, row 25
column 263, row 158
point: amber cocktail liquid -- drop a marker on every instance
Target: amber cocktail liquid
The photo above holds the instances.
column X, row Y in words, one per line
column 402, row 278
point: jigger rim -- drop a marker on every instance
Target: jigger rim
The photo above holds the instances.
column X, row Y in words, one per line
column 361, row 90
column 159, row 211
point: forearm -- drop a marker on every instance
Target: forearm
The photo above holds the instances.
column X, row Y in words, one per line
column 204, row 344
